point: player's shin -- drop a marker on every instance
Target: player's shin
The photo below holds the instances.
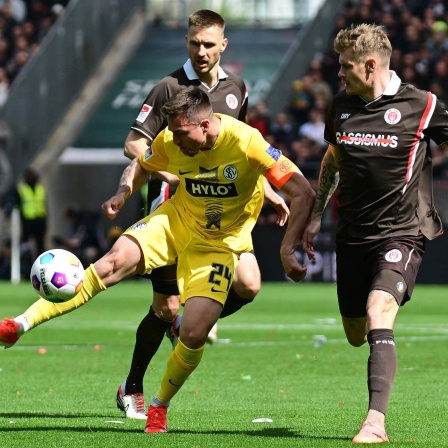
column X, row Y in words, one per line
column 149, row 336
column 233, row 303
column 382, row 366
column 181, row 364
column 43, row 310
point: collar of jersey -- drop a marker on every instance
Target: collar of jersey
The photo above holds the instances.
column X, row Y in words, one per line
column 191, row 74
column 394, row 84
column 391, row 89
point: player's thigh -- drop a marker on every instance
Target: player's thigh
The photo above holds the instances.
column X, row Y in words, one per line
column 123, row 260
column 204, row 271
column 247, row 279
column 353, row 280
column 164, row 280
column 155, row 236
column 397, row 264
column 353, row 286
column 165, row 291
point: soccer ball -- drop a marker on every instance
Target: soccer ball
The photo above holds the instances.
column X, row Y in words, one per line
column 57, row 275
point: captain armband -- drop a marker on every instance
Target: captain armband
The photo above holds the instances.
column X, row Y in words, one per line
column 281, row 171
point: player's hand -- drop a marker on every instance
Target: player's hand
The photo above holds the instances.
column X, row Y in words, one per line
column 293, row 269
column 111, row 207
column 311, row 230
column 282, row 211
column 276, row 201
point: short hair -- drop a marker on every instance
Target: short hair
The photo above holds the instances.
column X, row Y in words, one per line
column 192, row 103
column 364, row 39
column 205, row 18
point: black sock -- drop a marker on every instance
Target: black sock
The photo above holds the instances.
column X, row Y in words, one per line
column 233, row 303
column 382, row 365
column 149, row 336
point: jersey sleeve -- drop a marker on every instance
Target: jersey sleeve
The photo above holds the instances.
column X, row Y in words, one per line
column 437, row 128
column 281, row 171
column 155, row 157
column 270, row 162
column 150, row 120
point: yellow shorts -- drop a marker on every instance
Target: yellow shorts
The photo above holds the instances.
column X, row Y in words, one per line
column 205, row 267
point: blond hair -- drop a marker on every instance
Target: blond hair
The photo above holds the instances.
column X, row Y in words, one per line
column 364, row 39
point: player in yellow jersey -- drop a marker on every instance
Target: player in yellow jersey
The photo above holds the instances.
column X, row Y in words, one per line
column 204, row 227
column 205, row 41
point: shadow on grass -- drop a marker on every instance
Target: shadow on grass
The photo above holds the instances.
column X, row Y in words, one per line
column 282, row 433
column 279, row 433
column 50, row 415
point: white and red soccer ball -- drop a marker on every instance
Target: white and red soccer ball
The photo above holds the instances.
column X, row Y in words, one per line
column 57, row 275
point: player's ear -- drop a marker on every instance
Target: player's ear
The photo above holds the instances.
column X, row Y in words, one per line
column 224, row 44
column 370, row 65
column 205, row 124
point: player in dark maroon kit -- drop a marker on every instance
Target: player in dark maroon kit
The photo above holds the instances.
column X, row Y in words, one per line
column 379, row 131
column 205, row 43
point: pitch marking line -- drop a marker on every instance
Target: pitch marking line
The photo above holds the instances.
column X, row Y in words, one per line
column 221, row 343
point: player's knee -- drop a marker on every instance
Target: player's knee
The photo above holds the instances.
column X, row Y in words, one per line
column 166, row 306
column 381, row 302
column 164, row 313
column 194, row 337
column 246, row 288
column 247, row 279
column 173, row 305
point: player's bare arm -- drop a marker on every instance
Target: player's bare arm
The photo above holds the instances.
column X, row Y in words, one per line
column 133, row 177
column 328, row 180
column 327, row 184
column 135, row 144
column 277, row 202
column 302, row 201
column 169, row 178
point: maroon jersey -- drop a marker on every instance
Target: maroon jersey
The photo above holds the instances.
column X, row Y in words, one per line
column 385, row 186
column 228, row 96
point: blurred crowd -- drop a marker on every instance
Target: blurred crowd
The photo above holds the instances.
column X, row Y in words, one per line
column 418, row 30
column 23, row 25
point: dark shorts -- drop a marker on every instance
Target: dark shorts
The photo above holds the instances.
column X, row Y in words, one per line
column 164, row 280
column 389, row 264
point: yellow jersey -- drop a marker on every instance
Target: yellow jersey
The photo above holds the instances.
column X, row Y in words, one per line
column 221, row 189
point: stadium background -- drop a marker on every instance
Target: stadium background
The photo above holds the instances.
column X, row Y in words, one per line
column 70, row 108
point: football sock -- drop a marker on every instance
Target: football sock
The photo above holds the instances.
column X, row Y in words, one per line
column 24, row 325
column 180, row 366
column 233, row 303
column 148, row 338
column 382, row 365
column 43, row 310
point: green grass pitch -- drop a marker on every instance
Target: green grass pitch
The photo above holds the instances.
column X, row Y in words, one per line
column 284, row 357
